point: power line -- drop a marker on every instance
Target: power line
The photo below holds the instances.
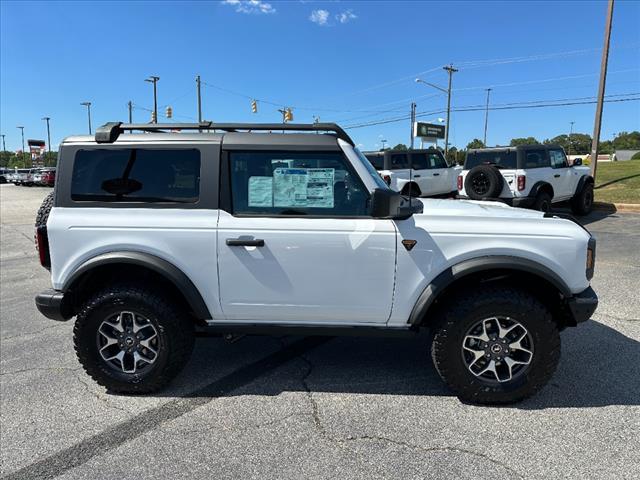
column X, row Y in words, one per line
column 473, row 108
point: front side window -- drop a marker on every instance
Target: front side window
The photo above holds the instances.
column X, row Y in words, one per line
column 136, row 175
column 558, row 159
column 291, row 183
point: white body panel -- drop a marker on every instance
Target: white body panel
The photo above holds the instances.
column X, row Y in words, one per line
column 490, row 228
column 433, row 181
column 184, row 237
column 309, row 270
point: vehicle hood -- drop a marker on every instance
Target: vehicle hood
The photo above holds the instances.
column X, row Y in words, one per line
column 474, row 208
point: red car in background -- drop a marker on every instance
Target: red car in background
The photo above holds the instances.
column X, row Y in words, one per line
column 48, row 177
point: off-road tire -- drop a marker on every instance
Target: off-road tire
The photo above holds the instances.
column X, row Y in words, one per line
column 411, row 190
column 461, row 312
column 175, row 331
column 582, row 202
column 490, row 178
column 542, row 202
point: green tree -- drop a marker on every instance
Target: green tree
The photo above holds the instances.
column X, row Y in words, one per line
column 578, row 144
column 523, row 141
column 627, row 141
column 400, row 146
column 475, row 143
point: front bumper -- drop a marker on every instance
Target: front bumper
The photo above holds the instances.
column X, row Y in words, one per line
column 582, row 305
column 54, row 305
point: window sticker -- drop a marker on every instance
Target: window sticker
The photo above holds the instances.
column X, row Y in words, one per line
column 303, row 187
column 261, row 191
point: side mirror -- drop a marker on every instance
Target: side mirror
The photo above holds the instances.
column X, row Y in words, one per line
column 387, row 203
column 577, row 162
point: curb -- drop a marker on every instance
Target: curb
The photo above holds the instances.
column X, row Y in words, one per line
column 617, row 207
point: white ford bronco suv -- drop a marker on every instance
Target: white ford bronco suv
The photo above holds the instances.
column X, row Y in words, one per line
column 534, row 176
column 219, row 229
column 418, row 173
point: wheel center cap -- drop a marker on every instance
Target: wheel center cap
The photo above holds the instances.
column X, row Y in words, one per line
column 129, row 341
column 496, row 348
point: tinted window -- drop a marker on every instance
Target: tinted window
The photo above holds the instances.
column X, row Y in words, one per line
column 377, row 161
column 136, row 175
column 419, row 161
column 558, row 159
column 499, row 158
column 398, row 161
column 295, row 184
column 535, row 159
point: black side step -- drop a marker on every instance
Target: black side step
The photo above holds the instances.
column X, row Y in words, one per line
column 218, row 329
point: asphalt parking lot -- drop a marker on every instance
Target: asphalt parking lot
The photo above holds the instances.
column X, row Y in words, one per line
column 315, row 407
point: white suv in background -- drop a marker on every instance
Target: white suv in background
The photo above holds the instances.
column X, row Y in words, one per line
column 534, row 176
column 419, row 173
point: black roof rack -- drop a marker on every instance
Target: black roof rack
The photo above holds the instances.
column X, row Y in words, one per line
column 109, row 132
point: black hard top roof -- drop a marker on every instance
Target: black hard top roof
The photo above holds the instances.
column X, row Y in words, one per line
column 532, row 146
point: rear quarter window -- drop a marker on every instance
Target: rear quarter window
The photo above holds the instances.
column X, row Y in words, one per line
column 136, row 175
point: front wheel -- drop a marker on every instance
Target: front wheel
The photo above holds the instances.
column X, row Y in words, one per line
column 582, row 202
column 132, row 340
column 497, row 346
column 542, row 202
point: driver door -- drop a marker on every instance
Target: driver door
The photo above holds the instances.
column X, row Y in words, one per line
column 296, row 242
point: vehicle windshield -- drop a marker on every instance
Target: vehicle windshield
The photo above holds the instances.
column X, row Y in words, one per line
column 380, row 183
column 499, row 158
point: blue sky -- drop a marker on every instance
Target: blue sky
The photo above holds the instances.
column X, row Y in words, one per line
column 350, row 62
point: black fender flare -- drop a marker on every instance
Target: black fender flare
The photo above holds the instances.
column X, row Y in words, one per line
column 169, row 271
column 467, row 267
column 539, row 186
column 582, row 182
column 411, row 183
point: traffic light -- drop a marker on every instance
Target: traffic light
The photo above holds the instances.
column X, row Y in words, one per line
column 254, row 106
column 169, row 112
column 153, row 117
column 288, row 115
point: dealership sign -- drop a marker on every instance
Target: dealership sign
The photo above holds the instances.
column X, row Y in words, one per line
column 428, row 130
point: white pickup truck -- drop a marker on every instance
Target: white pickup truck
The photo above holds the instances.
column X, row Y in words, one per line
column 418, row 173
column 152, row 238
column 534, row 176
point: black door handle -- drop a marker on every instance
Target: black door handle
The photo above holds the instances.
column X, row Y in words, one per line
column 436, row 174
column 556, row 175
column 241, row 242
column 416, row 176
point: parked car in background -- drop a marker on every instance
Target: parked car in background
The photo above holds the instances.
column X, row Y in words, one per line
column 534, row 176
column 48, row 177
column 20, row 176
column 418, row 173
column 4, row 172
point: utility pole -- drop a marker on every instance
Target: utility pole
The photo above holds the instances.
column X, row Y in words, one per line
column 199, row 99
column 451, row 71
column 603, row 80
column 153, row 79
column 570, row 137
column 384, row 146
column 24, row 164
column 88, row 105
column 413, row 121
column 130, row 105
column 486, row 117
column 46, row 119
column 4, row 148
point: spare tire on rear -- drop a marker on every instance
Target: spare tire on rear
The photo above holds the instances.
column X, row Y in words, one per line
column 483, row 182
column 43, row 214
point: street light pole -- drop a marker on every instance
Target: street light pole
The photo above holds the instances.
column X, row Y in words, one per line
column 199, row 100
column 24, row 164
column 4, row 148
column 603, row 80
column 153, row 79
column 130, row 105
column 88, row 105
column 413, row 121
column 570, row 137
column 486, row 118
column 48, row 138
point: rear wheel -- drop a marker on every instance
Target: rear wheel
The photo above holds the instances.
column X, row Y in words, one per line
column 543, row 202
column 496, row 346
column 582, row 202
column 132, row 340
